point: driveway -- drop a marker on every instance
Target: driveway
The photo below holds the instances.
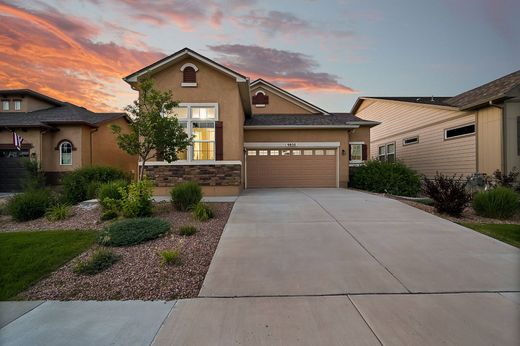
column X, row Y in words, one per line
column 335, row 266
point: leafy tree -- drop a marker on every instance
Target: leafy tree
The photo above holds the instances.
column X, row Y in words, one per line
column 151, row 132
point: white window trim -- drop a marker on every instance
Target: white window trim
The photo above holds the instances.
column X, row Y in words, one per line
column 459, row 136
column 385, row 156
column 408, row 138
column 4, row 102
column 189, row 64
column 19, row 103
column 356, row 161
column 260, row 105
column 189, row 85
column 61, row 153
column 189, row 120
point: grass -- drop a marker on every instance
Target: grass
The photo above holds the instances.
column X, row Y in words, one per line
column 26, row 257
column 507, row 233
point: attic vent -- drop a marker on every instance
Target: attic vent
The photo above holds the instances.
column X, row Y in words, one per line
column 260, row 99
column 189, row 75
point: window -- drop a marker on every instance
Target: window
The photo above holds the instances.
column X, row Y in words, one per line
column 189, row 75
column 459, row 131
column 65, row 153
column 356, row 152
column 296, row 152
column 307, row 152
column 330, row 152
column 251, row 153
column 286, row 152
column 381, row 152
column 274, row 152
column 17, row 105
column 262, row 152
column 411, row 140
column 386, row 152
column 199, row 122
column 5, row 105
column 319, row 152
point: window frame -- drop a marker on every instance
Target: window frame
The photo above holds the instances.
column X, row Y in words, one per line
column 189, row 121
column 6, row 102
column 384, row 157
column 61, row 152
column 189, row 84
column 19, row 103
column 446, row 138
column 351, row 146
column 409, row 138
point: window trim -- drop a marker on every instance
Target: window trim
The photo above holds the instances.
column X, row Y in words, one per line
column 446, row 138
column 8, row 102
column 60, row 147
column 260, row 105
column 408, row 138
column 189, row 84
column 385, row 155
column 351, row 145
column 19, row 103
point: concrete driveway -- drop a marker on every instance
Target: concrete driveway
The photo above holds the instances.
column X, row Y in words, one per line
column 334, row 266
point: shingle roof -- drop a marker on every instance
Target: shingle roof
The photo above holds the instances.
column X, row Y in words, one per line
column 333, row 119
column 32, row 93
column 491, row 91
column 65, row 114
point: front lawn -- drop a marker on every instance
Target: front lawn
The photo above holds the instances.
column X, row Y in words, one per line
column 508, row 233
column 26, row 257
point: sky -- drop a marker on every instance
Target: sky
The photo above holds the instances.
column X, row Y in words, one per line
column 327, row 52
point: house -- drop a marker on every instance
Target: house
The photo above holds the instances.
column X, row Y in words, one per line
column 60, row 135
column 475, row 131
column 250, row 134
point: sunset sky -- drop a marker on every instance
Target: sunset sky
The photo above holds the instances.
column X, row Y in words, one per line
column 328, row 52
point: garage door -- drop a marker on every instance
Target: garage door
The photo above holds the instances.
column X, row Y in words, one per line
column 291, row 167
column 12, row 169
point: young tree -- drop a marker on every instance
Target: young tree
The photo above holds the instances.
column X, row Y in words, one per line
column 150, row 131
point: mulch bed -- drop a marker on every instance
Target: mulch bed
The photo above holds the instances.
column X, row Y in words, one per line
column 139, row 273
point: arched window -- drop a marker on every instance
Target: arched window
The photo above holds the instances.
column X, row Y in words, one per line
column 189, row 75
column 65, row 153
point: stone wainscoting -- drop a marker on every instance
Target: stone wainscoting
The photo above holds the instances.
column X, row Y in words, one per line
column 205, row 175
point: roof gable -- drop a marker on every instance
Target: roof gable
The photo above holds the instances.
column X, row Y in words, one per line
column 260, row 83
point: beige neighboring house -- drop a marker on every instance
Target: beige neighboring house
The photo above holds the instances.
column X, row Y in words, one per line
column 60, row 135
column 475, row 131
column 250, row 134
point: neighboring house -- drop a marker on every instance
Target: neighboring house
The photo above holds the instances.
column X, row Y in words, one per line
column 250, row 135
column 476, row 131
column 60, row 135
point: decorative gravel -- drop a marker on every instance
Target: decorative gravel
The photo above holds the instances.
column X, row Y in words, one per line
column 139, row 273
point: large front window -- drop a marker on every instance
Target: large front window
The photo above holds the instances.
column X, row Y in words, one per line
column 198, row 121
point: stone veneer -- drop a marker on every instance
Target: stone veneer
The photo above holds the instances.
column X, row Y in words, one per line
column 205, row 175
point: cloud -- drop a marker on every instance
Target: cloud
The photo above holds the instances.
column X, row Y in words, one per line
column 57, row 54
column 290, row 70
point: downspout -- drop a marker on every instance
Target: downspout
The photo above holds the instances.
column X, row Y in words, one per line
column 90, row 144
column 504, row 136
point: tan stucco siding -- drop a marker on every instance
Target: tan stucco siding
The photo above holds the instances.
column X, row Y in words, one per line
column 341, row 136
column 277, row 104
column 105, row 151
column 30, row 136
column 489, row 139
column 212, row 87
column 434, row 153
column 51, row 156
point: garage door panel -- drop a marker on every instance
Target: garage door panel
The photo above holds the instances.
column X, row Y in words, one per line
column 291, row 171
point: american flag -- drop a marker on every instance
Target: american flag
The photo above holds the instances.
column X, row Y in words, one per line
column 17, row 141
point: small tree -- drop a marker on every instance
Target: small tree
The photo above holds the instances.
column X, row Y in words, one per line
column 151, row 132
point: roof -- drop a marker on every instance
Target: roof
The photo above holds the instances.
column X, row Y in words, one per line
column 494, row 90
column 170, row 59
column 65, row 114
column 311, row 120
column 285, row 94
column 32, row 93
column 423, row 100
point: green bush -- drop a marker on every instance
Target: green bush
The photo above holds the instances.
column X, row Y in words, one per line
column 449, row 194
column 202, row 212
column 35, row 179
column 82, row 183
column 111, row 190
column 187, row 230
column 185, row 196
column 109, row 215
column 170, row 257
column 386, row 177
column 137, row 201
column 133, row 231
column 29, row 205
column 58, row 212
column 99, row 261
column 499, row 203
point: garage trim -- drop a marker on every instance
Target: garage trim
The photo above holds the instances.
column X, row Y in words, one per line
column 262, row 145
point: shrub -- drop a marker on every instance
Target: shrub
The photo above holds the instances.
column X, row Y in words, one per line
column 111, row 190
column 187, row 230
column 99, row 261
column 133, row 231
column 389, row 177
column 82, row 183
column 449, row 194
column 509, row 180
column 202, row 212
column 58, row 212
column 35, row 179
column 109, row 215
column 29, row 205
column 170, row 257
column 499, row 203
column 185, row 196
column 137, row 201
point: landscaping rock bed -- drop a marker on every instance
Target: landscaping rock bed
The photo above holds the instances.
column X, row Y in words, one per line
column 139, row 274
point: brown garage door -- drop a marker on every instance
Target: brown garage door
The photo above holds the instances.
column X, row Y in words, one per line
column 291, row 168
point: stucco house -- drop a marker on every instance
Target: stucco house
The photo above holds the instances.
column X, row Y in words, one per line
column 250, row 134
column 60, row 135
column 475, row 131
